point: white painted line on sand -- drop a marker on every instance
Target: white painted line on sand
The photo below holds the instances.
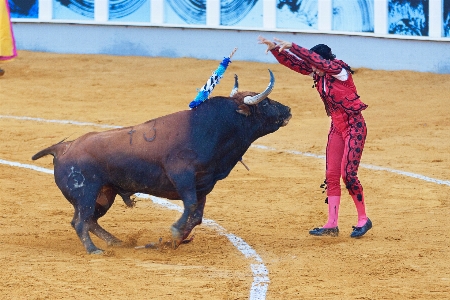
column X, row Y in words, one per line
column 67, row 122
column 366, row 166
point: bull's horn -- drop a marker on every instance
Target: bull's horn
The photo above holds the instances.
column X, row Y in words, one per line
column 252, row 100
column 236, row 86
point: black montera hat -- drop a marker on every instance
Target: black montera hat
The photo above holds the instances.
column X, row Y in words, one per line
column 324, row 51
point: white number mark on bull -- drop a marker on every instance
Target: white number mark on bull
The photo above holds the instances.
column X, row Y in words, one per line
column 75, row 179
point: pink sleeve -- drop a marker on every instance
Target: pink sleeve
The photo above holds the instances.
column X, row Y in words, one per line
column 291, row 61
column 314, row 59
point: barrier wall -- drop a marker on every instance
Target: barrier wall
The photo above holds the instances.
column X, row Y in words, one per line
column 377, row 34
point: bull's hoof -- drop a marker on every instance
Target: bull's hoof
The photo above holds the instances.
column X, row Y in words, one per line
column 97, row 252
column 176, row 235
column 179, row 238
column 177, row 243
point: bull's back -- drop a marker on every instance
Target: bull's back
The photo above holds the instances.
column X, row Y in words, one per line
column 151, row 140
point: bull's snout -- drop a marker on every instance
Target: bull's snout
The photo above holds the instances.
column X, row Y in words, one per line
column 286, row 121
column 287, row 117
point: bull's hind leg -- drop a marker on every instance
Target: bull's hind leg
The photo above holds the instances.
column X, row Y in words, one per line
column 83, row 200
column 104, row 201
column 80, row 222
column 81, row 189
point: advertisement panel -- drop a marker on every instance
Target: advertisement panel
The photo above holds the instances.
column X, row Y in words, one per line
column 390, row 18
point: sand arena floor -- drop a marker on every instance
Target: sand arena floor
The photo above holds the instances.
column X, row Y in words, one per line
column 271, row 207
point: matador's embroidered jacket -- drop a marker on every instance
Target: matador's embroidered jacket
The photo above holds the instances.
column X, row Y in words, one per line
column 337, row 95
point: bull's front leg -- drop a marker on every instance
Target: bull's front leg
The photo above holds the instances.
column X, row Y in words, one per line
column 178, row 229
column 192, row 216
column 196, row 217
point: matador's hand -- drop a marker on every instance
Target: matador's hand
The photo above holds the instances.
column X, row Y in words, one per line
column 283, row 44
column 270, row 44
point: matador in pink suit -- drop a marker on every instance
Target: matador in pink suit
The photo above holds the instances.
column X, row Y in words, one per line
column 333, row 80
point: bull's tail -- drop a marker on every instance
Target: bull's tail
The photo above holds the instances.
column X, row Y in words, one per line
column 53, row 150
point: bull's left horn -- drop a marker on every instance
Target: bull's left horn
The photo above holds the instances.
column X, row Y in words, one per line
column 253, row 100
column 236, row 86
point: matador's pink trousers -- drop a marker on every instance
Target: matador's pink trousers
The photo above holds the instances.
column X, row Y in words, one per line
column 344, row 149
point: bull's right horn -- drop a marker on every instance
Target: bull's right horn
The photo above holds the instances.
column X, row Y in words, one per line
column 236, row 86
column 253, row 100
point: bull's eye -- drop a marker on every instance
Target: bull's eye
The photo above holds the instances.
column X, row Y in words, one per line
column 265, row 103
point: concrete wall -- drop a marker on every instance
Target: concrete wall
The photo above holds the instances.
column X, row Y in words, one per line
column 358, row 51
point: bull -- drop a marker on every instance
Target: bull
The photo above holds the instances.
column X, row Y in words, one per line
column 179, row 156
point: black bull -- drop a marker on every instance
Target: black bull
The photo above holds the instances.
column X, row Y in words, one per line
column 178, row 156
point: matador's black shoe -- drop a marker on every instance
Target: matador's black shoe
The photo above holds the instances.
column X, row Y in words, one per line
column 334, row 231
column 360, row 231
column 2, row 72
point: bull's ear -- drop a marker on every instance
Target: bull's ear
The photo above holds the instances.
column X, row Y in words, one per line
column 244, row 109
